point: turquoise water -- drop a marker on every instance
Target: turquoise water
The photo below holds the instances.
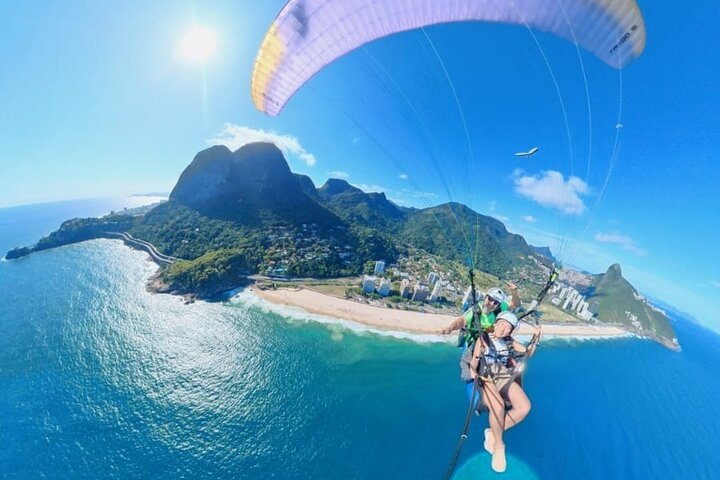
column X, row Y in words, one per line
column 100, row 379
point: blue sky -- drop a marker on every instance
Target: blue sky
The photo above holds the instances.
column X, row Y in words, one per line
column 96, row 102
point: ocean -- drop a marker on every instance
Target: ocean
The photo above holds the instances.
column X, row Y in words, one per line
column 101, row 379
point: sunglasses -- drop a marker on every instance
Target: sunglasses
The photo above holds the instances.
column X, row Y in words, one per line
column 491, row 300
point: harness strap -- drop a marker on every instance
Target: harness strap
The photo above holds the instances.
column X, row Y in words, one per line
column 554, row 273
column 476, row 387
column 466, row 427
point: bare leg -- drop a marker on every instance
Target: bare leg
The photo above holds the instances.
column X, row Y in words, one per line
column 520, row 409
column 520, row 406
column 496, row 410
column 496, row 416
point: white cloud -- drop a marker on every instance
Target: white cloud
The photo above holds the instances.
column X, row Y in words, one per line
column 492, row 206
column 636, row 250
column 235, row 136
column 550, row 189
column 410, row 198
column 403, row 176
column 529, row 218
column 372, row 188
column 612, row 238
column 626, row 242
column 502, row 218
column 337, row 174
column 419, row 194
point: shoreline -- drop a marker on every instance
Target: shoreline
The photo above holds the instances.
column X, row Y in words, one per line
column 388, row 319
column 380, row 319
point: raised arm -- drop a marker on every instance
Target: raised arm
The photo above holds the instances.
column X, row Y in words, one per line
column 514, row 301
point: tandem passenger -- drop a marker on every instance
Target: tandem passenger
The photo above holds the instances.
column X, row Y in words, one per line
column 493, row 362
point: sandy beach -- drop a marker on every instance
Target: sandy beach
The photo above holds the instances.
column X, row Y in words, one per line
column 401, row 320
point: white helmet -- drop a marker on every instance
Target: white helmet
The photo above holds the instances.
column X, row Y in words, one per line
column 496, row 294
column 508, row 317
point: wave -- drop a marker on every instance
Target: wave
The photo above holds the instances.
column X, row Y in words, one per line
column 248, row 299
column 584, row 338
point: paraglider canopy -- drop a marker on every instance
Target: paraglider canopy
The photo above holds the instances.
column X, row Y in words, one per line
column 309, row 34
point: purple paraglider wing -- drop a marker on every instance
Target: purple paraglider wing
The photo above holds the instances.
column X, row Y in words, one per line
column 309, row 34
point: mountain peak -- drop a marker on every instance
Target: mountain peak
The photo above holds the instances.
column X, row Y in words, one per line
column 263, row 150
column 615, row 300
column 336, row 186
column 239, row 185
column 544, row 251
column 214, row 150
column 614, row 271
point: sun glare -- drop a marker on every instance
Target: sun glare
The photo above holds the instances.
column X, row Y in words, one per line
column 197, row 45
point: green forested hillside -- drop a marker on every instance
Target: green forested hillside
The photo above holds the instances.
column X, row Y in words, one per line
column 615, row 300
column 236, row 213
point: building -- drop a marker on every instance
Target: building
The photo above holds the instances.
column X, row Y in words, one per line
column 576, row 300
column 432, row 278
column 564, row 290
column 379, row 267
column 568, row 298
column 571, row 296
column 368, row 284
column 421, row 292
column 435, row 295
column 582, row 306
column 384, row 288
column 405, row 290
column 278, row 272
column 584, row 311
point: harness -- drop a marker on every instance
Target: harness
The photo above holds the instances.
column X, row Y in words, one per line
column 493, row 358
column 494, row 363
column 515, row 360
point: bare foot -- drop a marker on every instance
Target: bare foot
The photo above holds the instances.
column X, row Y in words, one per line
column 489, row 443
column 499, row 463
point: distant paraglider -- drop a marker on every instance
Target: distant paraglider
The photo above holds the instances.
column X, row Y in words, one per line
column 529, row 153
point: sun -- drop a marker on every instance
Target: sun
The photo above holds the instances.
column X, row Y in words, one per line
column 197, row 44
